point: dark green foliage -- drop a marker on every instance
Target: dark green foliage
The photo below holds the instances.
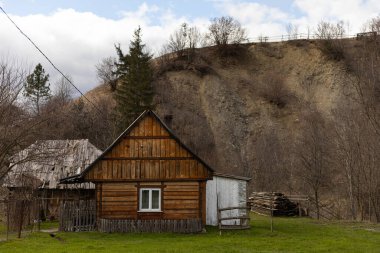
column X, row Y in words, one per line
column 134, row 93
column 37, row 88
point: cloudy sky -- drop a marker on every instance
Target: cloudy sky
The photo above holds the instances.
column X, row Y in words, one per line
column 76, row 35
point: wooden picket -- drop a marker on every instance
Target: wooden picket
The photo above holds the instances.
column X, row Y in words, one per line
column 125, row 226
column 77, row 216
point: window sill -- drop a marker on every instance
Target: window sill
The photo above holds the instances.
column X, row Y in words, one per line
column 149, row 211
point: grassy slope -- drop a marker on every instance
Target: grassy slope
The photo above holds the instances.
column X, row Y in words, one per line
column 291, row 235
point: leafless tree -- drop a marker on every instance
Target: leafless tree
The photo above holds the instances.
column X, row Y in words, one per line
column 87, row 123
column 313, row 150
column 269, row 170
column 184, row 40
column 63, row 91
column 226, row 30
column 106, row 72
column 328, row 31
column 364, row 64
column 292, row 31
column 366, row 81
column 372, row 25
column 330, row 35
column 22, row 203
column 12, row 117
column 18, row 128
column 177, row 40
column 348, row 134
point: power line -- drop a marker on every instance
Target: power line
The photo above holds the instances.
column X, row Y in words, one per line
column 47, row 58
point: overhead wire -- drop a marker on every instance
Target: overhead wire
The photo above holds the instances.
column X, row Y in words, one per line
column 48, row 59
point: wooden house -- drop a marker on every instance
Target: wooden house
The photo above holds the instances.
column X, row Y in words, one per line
column 148, row 180
column 37, row 170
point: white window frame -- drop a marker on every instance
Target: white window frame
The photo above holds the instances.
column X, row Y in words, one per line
column 150, row 200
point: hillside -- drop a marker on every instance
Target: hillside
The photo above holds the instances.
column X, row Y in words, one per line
column 299, row 117
column 221, row 114
column 224, row 112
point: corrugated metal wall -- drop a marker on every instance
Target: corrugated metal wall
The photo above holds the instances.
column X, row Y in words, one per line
column 224, row 192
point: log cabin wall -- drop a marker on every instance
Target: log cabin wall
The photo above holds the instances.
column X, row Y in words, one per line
column 179, row 200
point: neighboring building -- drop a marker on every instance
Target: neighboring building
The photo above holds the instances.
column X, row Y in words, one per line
column 148, row 175
column 40, row 167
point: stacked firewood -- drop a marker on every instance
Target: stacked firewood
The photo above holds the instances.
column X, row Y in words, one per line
column 265, row 202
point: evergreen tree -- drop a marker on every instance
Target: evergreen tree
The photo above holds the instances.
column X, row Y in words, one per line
column 134, row 93
column 37, row 88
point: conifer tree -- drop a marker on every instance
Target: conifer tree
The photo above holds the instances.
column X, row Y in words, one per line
column 134, row 93
column 37, row 88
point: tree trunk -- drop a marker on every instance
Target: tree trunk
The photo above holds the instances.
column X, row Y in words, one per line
column 21, row 218
column 316, row 201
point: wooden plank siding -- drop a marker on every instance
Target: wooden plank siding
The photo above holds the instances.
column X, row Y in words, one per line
column 118, row 200
column 180, row 200
column 148, row 153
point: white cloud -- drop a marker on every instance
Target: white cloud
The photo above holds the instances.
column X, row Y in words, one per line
column 353, row 12
column 259, row 19
column 76, row 41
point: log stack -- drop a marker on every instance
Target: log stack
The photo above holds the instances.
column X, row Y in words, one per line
column 264, row 202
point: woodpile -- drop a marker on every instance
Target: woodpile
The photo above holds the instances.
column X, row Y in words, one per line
column 264, row 202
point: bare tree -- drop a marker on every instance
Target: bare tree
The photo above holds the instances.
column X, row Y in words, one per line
column 226, row 30
column 184, row 40
column 18, row 127
column 348, row 148
column 63, row 91
column 365, row 83
column 194, row 37
column 372, row 25
column 269, row 170
column 328, row 31
column 292, row 31
column 106, row 72
column 331, row 35
column 313, row 150
column 12, row 117
column 177, row 40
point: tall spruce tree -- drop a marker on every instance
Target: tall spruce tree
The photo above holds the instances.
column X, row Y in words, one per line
column 134, row 93
column 37, row 88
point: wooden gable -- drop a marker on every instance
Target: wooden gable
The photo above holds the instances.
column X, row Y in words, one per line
column 147, row 151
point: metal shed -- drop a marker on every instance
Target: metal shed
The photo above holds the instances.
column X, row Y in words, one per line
column 225, row 191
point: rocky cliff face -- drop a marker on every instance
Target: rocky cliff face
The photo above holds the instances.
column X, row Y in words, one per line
column 220, row 112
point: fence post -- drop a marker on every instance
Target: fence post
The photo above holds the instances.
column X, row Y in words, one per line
column 8, row 220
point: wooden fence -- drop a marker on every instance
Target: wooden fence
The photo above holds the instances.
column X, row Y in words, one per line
column 77, row 215
column 242, row 221
column 177, row 226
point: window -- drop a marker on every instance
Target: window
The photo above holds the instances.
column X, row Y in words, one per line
column 150, row 199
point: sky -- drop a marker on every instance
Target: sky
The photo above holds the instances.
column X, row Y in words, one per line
column 77, row 35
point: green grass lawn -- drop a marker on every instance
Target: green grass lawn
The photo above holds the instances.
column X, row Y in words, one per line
column 290, row 235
